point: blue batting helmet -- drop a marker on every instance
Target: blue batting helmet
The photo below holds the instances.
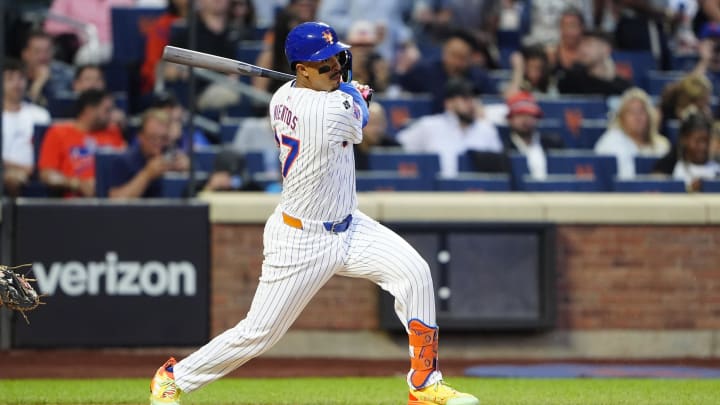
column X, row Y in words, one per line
column 312, row 42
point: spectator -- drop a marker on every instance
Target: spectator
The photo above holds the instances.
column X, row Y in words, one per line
column 230, row 174
column 157, row 36
column 91, row 77
column 368, row 66
column 694, row 163
column 708, row 12
column 214, row 35
column 88, row 77
column 692, row 90
column 67, row 156
column 478, row 17
column 709, row 53
column 47, row 78
column 531, row 71
column 632, row 132
column 98, row 46
column 565, row 54
column 179, row 130
column 374, row 135
column 432, row 76
column 641, row 26
column 138, row 173
column 523, row 115
column 242, row 19
column 454, row 132
column 273, row 53
column 547, row 15
column 387, row 16
column 18, row 121
column 595, row 71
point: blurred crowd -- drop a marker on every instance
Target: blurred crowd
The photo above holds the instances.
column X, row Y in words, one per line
column 73, row 96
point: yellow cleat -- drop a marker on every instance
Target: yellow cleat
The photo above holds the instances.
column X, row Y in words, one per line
column 440, row 394
column 163, row 390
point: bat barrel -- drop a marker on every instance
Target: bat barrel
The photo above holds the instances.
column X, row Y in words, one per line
column 218, row 63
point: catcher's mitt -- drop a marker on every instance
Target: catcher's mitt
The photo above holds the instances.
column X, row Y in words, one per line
column 16, row 293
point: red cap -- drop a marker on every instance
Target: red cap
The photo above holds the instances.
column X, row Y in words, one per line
column 523, row 103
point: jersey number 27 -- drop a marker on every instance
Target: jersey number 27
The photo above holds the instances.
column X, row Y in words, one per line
column 294, row 145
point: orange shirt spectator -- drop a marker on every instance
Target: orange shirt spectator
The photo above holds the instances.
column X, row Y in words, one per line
column 71, row 151
column 67, row 155
column 157, row 36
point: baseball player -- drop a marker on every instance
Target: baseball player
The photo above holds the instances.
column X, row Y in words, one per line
column 317, row 231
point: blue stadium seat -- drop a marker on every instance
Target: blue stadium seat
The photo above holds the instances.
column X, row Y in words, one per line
column 560, row 108
column 248, row 51
column 586, row 135
column 128, row 26
column 423, row 165
column 657, row 80
column 400, row 111
column 649, row 184
column 255, row 162
column 672, row 131
column 711, row 186
column 63, row 106
column 634, row 65
column 518, row 170
column 683, row 62
column 474, row 182
column 645, row 164
column 228, row 129
column 391, row 181
column 205, row 159
column 508, row 38
column 104, row 162
column 174, row 185
column 39, row 132
column 584, row 165
column 560, row 183
column 497, row 78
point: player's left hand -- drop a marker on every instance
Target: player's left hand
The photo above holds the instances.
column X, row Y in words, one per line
column 365, row 91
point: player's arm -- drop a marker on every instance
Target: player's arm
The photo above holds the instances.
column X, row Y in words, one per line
column 344, row 118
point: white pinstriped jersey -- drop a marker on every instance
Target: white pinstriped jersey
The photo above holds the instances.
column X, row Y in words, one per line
column 316, row 131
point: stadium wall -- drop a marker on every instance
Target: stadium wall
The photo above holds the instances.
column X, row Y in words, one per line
column 637, row 276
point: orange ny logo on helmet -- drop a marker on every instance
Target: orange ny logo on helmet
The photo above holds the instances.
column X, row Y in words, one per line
column 327, row 36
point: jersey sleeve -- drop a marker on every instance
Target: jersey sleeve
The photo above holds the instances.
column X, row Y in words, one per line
column 343, row 119
column 51, row 151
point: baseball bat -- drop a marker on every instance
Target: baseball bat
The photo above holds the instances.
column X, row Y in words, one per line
column 218, row 63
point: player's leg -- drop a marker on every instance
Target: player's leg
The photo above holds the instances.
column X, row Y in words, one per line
column 379, row 254
column 296, row 266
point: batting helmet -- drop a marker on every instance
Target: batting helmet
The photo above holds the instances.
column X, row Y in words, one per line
column 312, row 42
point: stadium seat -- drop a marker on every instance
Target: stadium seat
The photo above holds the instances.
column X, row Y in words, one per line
column 508, row 38
column 205, row 159
column 128, row 27
column 711, row 186
column 391, row 181
column 560, row 183
column 39, row 132
column 104, row 162
column 228, row 129
column 573, row 108
column 684, row 63
column 248, row 51
column 401, row 111
column 422, row 165
column 645, row 164
column 657, row 80
column 255, row 163
column 497, row 79
column 586, row 135
column 652, row 184
column 584, row 165
column 474, row 182
column 634, row 65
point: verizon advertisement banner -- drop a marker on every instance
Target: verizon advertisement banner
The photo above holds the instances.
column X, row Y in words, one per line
column 115, row 274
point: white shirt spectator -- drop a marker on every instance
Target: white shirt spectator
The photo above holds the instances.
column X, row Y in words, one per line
column 688, row 172
column 443, row 134
column 615, row 142
column 534, row 154
column 18, row 128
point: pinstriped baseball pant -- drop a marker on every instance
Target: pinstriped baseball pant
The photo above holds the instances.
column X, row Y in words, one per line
column 297, row 264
